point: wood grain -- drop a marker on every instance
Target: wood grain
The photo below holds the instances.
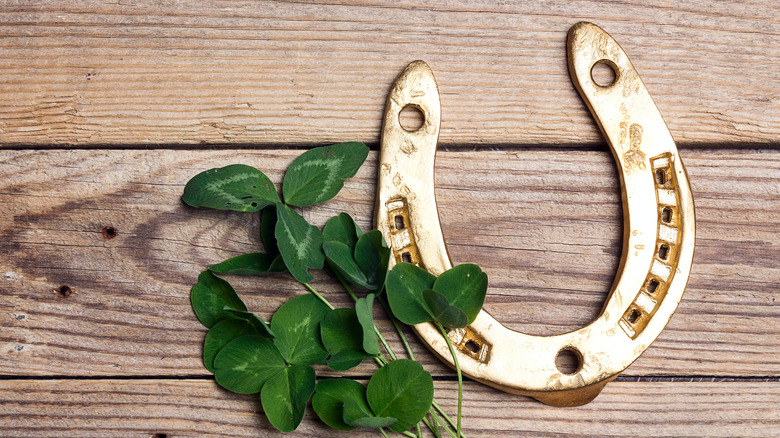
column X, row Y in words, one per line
column 545, row 226
column 190, row 72
column 197, row 408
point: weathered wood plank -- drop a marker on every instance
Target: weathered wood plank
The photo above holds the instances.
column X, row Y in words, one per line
column 191, row 72
column 546, row 227
column 183, row 408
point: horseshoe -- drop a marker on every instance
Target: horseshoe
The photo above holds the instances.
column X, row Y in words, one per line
column 658, row 241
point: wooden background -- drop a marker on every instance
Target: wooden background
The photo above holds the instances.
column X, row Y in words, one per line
column 108, row 108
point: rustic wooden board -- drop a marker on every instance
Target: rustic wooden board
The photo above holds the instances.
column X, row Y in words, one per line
column 546, row 227
column 197, row 408
column 191, row 72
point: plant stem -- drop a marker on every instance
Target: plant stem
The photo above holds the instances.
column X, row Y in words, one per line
column 419, row 431
column 446, row 417
column 317, row 294
column 398, row 330
column 457, row 370
column 383, row 433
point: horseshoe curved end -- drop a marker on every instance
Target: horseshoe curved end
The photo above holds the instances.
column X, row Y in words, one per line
column 658, row 239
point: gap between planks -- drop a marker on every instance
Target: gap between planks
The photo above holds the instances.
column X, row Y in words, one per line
column 118, row 408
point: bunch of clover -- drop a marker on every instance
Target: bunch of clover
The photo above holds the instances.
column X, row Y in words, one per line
column 248, row 355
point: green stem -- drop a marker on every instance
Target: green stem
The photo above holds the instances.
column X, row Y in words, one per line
column 446, row 417
column 400, row 332
column 409, row 434
column 457, row 370
column 383, row 433
column 419, row 431
column 317, row 294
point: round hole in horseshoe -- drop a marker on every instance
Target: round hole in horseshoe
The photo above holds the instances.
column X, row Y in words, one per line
column 604, row 73
column 411, row 118
column 568, row 361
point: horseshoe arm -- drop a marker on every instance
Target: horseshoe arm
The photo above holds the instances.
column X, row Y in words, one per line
column 657, row 247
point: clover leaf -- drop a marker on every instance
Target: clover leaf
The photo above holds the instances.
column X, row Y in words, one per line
column 299, row 243
column 465, row 286
column 246, row 363
column 373, row 256
column 342, row 336
column 401, row 389
column 255, row 263
column 405, row 285
column 342, row 228
column 210, row 296
column 268, row 229
column 364, row 309
column 262, row 327
column 220, row 335
column 365, row 265
column 442, row 311
column 284, row 397
column 297, row 328
column 318, row 174
column 342, row 405
column 236, row 187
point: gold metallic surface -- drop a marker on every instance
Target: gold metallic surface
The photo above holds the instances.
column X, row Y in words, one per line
column 657, row 245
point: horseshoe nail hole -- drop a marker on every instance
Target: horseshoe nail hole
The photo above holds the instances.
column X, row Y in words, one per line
column 666, row 215
column 108, row 232
column 660, row 177
column 411, row 118
column 604, row 73
column 399, row 222
column 472, row 346
column 652, row 286
column 160, row 435
column 634, row 316
column 254, row 204
column 663, row 251
column 568, row 361
column 406, row 257
column 63, row 291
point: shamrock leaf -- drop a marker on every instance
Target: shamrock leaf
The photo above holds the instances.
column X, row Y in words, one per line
column 465, row 286
column 318, row 174
column 442, row 311
column 255, row 263
column 405, row 285
column 342, row 405
column 246, row 363
column 262, row 327
column 297, row 325
column 220, row 335
column 235, row 187
column 365, row 265
column 284, row 397
column 364, row 308
column 373, row 256
column 267, row 230
column 341, row 259
column 210, row 296
column 342, row 228
column 299, row 243
column 401, row 389
column 342, row 336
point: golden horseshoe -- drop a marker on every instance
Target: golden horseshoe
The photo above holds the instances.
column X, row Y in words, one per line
column 657, row 244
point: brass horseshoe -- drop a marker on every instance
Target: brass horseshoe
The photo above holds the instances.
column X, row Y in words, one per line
column 658, row 240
